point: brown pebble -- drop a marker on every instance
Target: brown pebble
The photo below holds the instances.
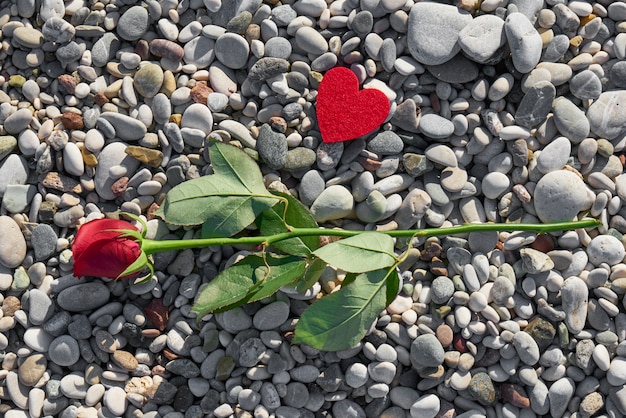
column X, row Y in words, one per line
column 157, row 314
column 72, row 120
column 278, row 124
column 167, row 49
column 125, row 360
column 438, row 267
column 142, row 48
column 150, row 333
column 368, row 163
column 431, row 249
column 68, row 83
column 170, row 355
column 119, row 187
column 56, row 181
column 459, row 343
column 100, row 99
column 515, row 395
column 10, row 305
column 159, row 371
column 444, row 334
column 543, row 243
column 200, row 92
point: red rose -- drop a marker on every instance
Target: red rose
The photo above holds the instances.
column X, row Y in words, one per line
column 99, row 249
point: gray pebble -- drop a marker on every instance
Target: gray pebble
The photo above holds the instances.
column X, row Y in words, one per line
column 64, row 351
column 272, row 147
column 433, row 31
column 133, row 24
column 83, row 297
column 386, row 143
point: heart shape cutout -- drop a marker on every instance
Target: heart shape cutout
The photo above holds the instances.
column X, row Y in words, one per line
column 343, row 111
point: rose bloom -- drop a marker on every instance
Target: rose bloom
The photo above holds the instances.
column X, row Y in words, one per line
column 99, row 250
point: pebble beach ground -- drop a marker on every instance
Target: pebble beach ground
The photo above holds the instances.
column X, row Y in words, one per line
column 501, row 110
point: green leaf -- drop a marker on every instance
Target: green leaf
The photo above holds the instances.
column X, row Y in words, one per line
column 225, row 202
column 247, row 281
column 312, row 274
column 137, row 265
column 271, row 222
column 365, row 252
column 340, row 320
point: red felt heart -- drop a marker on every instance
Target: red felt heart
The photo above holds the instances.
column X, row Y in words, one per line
column 344, row 112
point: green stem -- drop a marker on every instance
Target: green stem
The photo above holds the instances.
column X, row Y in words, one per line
column 152, row 246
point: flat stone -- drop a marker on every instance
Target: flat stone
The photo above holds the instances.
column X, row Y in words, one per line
column 13, row 243
column 607, row 115
column 433, row 31
column 272, row 147
column 524, row 41
column 586, row 85
column 574, row 294
column 32, row 369
column 18, row 121
column 232, row 50
column 335, row 202
column 570, row 120
column 271, row 316
column 560, row 393
column 114, row 154
column 200, row 51
column 526, row 347
column 554, row 156
column 435, row 126
column 148, row 80
column 535, row 105
column 457, row 70
column 483, row 38
column 126, row 127
column 386, row 143
column 83, row 297
column 133, row 23
column 64, row 351
column 560, row 195
column 605, row 249
column 482, row 389
column 426, row 351
column 41, row 307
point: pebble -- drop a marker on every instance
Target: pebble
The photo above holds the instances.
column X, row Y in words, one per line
column 482, row 38
column 524, row 41
column 606, row 114
column 605, row 249
column 426, row 351
column 334, row 202
column 560, row 195
column 433, row 31
column 83, row 297
column 570, row 120
column 272, row 147
column 13, row 245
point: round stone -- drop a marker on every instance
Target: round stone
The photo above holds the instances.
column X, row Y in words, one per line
column 134, row 23
column 232, row 50
column 442, row 289
column 605, row 249
column 64, row 351
column 335, row 202
column 426, row 351
column 148, row 80
column 560, row 195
